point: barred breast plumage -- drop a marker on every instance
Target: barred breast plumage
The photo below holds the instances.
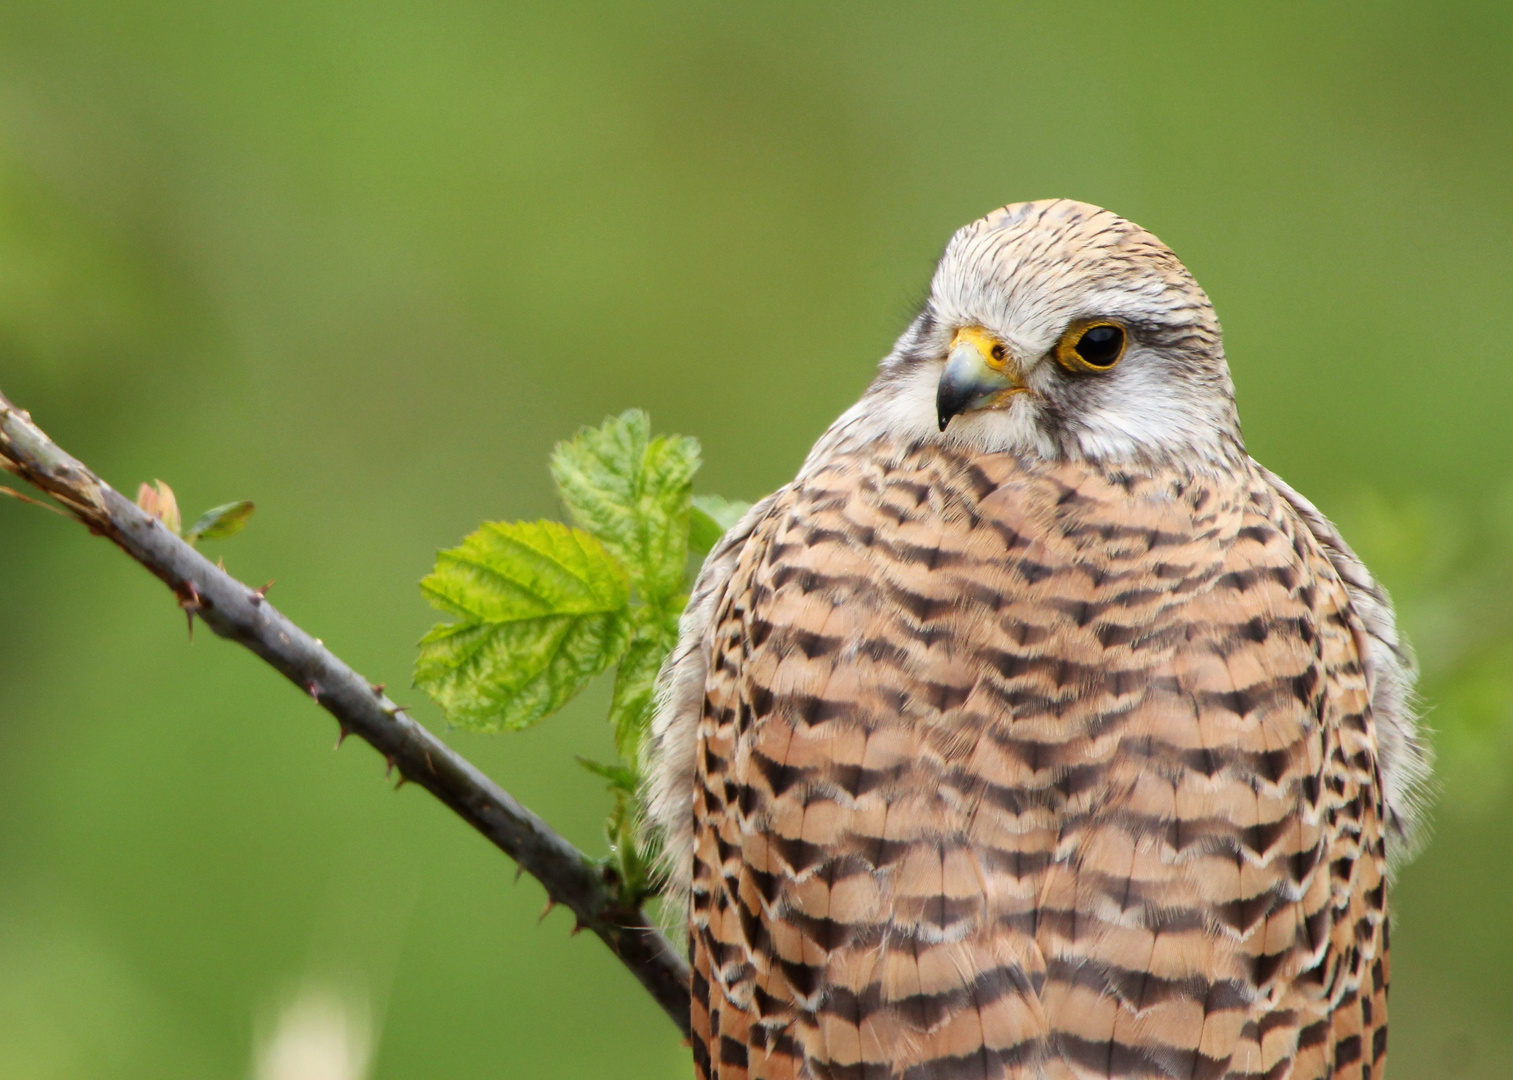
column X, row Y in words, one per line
column 1005, row 764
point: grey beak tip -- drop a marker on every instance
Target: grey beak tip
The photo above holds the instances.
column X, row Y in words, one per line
column 950, row 399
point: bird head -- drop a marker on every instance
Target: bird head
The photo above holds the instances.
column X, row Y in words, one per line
column 1060, row 329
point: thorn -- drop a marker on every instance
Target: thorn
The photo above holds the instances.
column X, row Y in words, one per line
column 261, row 594
column 220, row 563
column 377, row 688
column 550, row 903
column 576, row 930
column 13, row 493
column 389, row 766
column 402, row 781
column 191, row 604
column 342, row 731
column 396, row 710
column 518, row 871
column 313, row 689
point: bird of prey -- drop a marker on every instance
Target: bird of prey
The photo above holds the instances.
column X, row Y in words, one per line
column 1035, row 730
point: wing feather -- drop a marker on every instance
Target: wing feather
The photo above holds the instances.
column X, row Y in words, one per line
column 1406, row 758
column 671, row 749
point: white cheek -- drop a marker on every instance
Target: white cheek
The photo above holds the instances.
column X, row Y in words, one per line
column 1147, row 410
column 907, row 410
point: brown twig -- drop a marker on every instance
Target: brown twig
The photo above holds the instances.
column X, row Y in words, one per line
column 241, row 614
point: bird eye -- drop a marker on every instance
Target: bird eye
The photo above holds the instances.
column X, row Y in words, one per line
column 1091, row 346
column 999, row 352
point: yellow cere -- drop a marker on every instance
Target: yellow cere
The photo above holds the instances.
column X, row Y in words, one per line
column 984, row 342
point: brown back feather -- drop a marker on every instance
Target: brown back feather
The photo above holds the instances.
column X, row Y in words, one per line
column 1026, row 769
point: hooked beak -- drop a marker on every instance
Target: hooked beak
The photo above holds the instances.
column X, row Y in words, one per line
column 975, row 378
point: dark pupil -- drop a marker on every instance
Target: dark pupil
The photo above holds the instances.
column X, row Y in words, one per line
column 1100, row 346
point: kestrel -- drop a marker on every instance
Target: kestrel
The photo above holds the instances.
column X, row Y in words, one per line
column 1035, row 730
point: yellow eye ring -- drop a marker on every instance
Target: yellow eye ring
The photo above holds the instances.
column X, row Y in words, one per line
column 1091, row 345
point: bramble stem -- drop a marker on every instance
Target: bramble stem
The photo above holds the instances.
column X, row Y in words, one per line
column 242, row 614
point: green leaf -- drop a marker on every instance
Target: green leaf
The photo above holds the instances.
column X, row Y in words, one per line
column 711, row 518
column 221, row 522
column 634, row 699
column 619, row 776
column 631, row 861
column 632, row 491
column 542, row 609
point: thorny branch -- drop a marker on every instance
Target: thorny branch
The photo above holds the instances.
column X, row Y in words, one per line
column 242, row 614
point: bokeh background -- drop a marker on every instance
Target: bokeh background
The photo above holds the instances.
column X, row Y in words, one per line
column 365, row 262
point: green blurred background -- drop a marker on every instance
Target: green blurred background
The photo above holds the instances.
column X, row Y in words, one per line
column 365, row 262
